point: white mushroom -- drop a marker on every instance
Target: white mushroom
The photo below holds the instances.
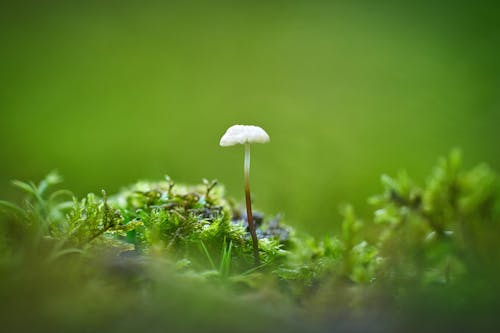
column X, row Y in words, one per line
column 246, row 134
column 241, row 134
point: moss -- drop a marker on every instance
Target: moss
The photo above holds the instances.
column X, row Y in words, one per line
column 442, row 233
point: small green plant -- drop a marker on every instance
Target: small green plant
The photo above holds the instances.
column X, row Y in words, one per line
column 225, row 259
column 436, row 233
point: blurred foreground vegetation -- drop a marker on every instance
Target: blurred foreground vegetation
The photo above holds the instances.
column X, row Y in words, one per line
column 171, row 257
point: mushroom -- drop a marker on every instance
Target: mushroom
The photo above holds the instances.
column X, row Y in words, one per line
column 246, row 134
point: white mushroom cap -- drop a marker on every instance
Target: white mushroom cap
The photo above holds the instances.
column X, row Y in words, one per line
column 241, row 134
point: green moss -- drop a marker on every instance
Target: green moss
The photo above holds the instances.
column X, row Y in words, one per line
column 442, row 233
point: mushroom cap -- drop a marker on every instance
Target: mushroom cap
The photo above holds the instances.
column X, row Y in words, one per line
column 241, row 134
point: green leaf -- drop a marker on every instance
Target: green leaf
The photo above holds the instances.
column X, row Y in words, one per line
column 26, row 187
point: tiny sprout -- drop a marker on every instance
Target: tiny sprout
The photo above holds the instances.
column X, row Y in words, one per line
column 246, row 134
column 209, row 184
column 170, row 183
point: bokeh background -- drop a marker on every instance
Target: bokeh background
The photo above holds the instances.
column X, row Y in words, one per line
column 112, row 92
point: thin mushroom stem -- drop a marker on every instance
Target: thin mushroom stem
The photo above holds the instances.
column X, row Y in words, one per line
column 248, row 199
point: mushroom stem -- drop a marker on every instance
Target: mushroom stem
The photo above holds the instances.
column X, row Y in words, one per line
column 248, row 199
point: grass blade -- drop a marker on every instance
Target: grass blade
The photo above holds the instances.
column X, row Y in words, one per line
column 205, row 250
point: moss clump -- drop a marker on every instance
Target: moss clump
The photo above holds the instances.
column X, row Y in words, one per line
column 194, row 223
column 163, row 236
column 438, row 232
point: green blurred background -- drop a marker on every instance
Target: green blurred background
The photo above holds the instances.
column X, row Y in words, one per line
column 108, row 93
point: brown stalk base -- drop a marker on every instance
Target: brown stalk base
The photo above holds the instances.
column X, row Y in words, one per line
column 251, row 224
